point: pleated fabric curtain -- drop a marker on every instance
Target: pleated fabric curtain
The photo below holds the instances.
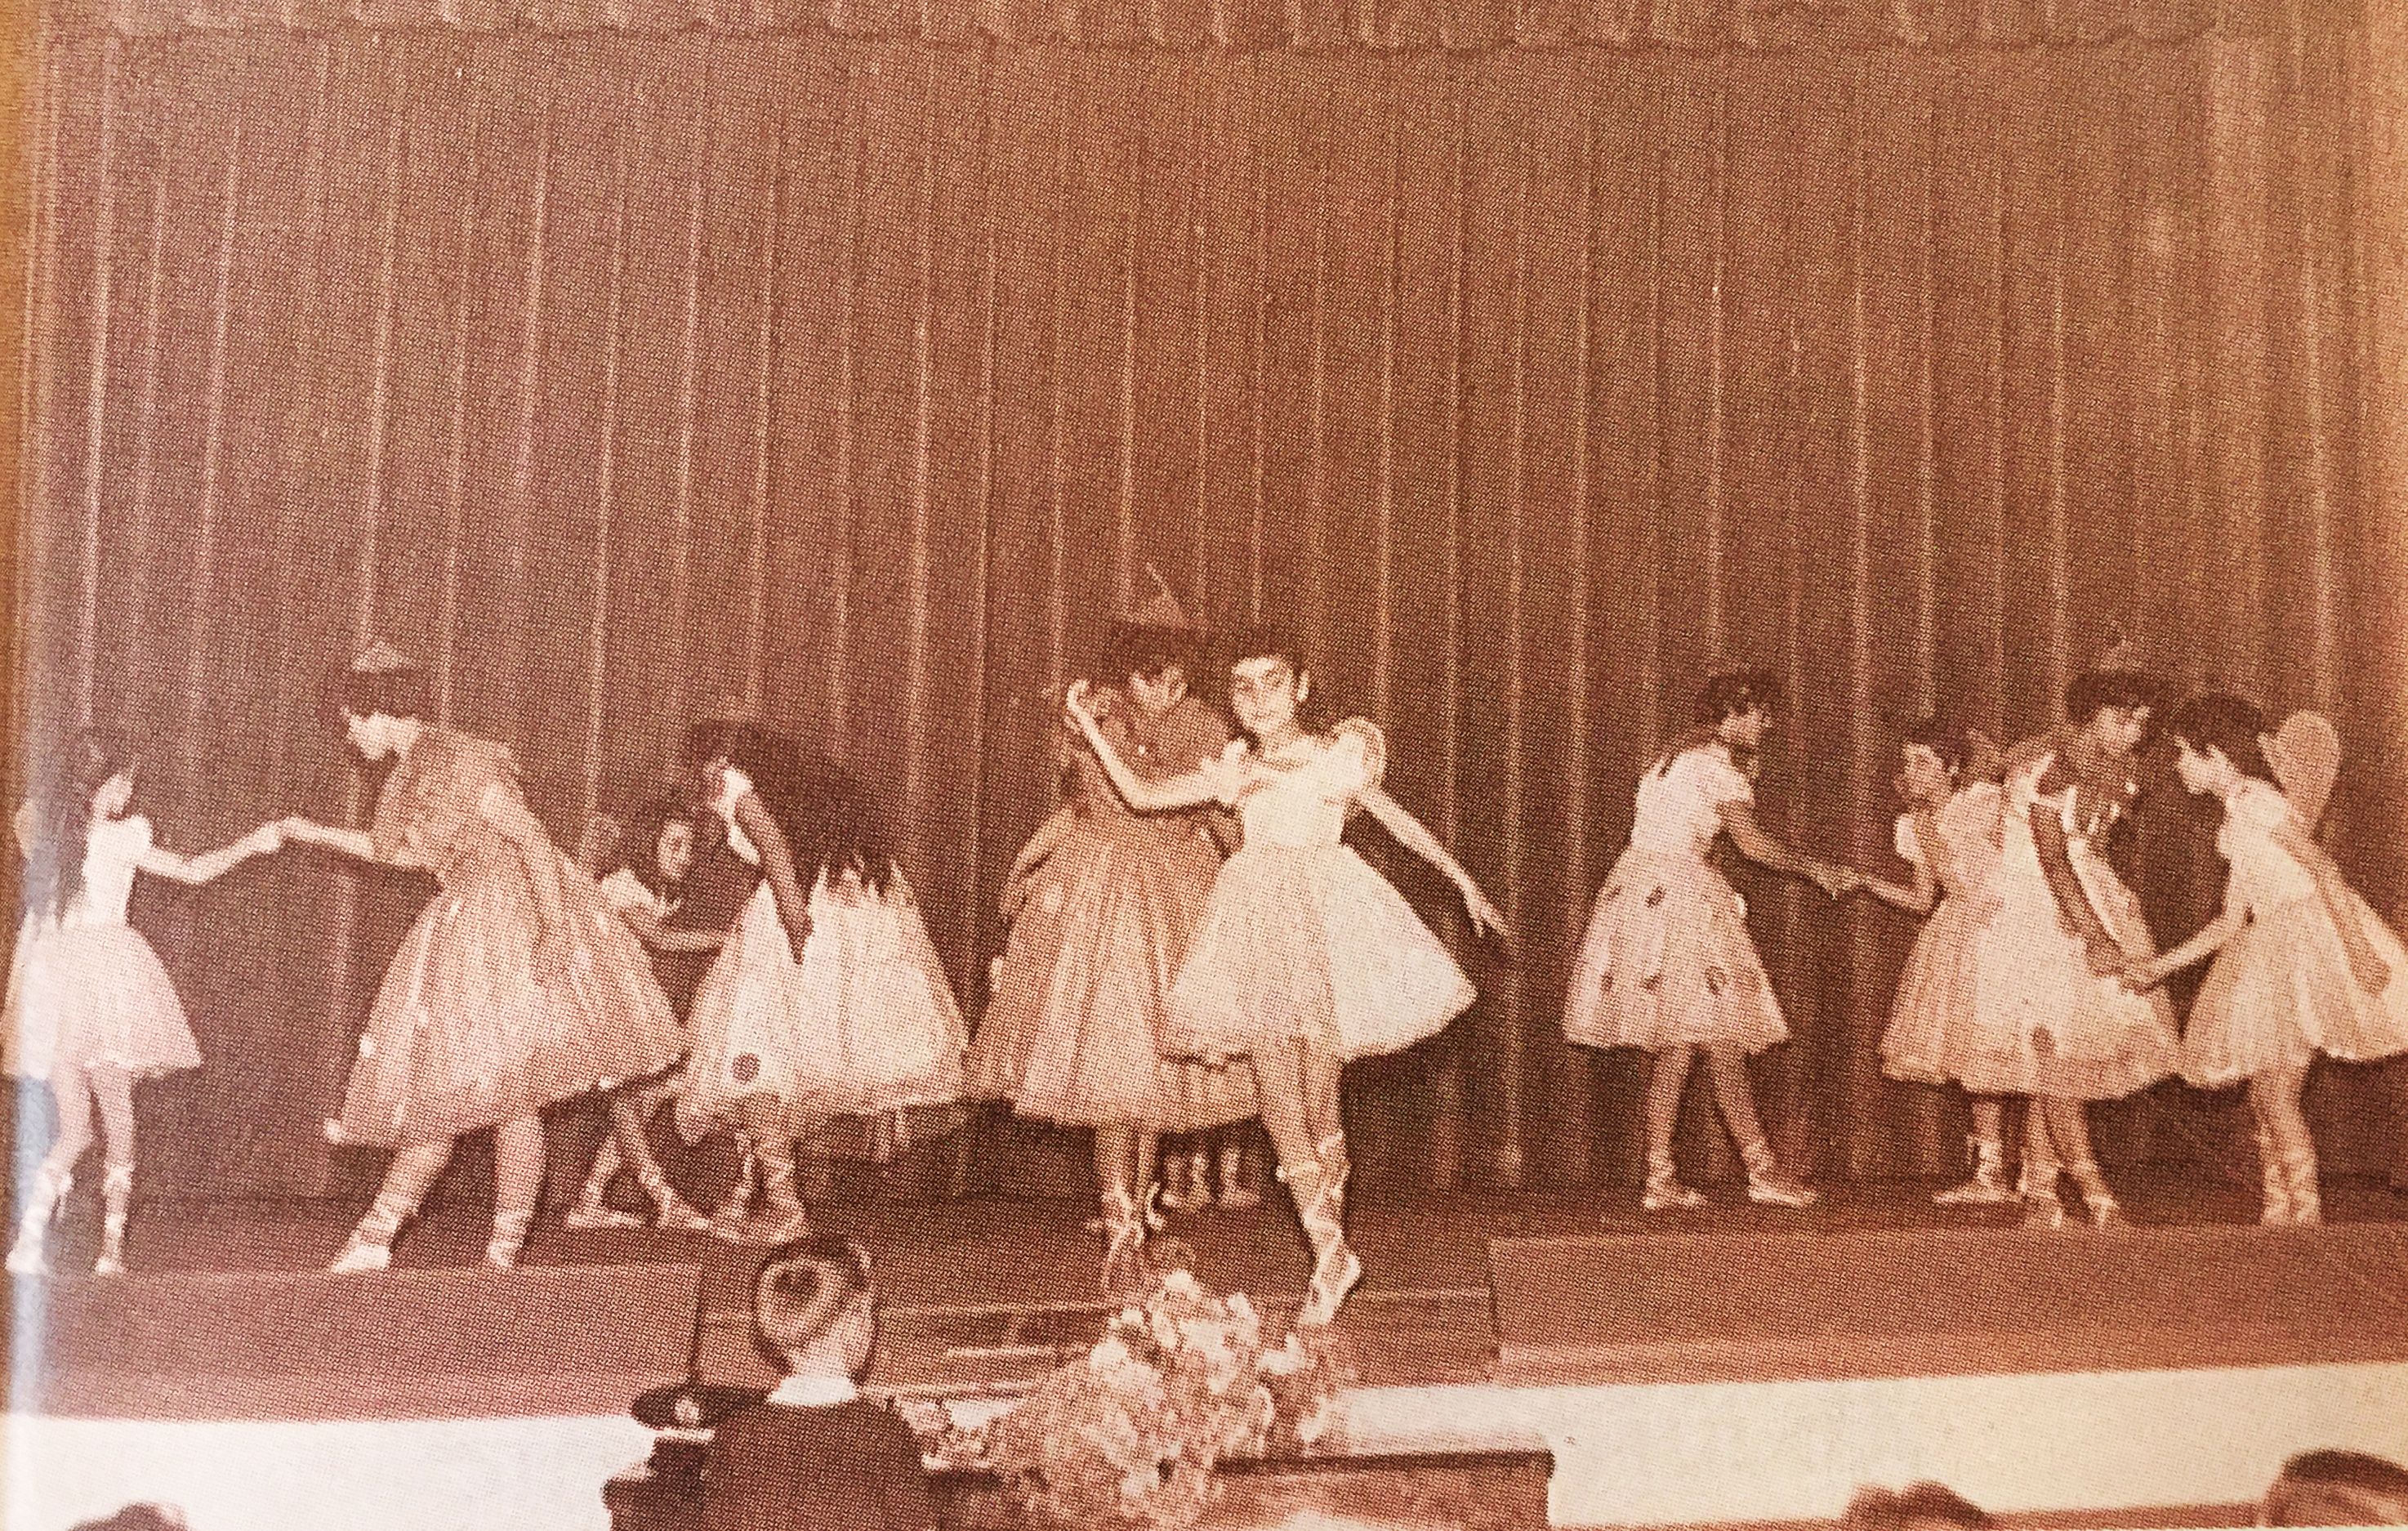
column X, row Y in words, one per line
column 853, row 363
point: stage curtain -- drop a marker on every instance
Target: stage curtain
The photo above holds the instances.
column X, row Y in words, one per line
column 857, row 371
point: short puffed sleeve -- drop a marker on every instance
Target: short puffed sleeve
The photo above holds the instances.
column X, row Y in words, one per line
column 1720, row 780
column 1358, row 755
column 1909, row 843
column 2260, row 807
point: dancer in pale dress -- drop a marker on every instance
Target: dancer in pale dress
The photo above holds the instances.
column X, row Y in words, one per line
column 2049, row 975
column 1305, row 958
column 647, row 900
column 1668, row 965
column 90, row 1011
column 1104, row 902
column 828, row 999
column 2303, row 964
column 1952, row 836
column 517, row 988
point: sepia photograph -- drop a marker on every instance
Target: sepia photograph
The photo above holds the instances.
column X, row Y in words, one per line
column 1205, row 764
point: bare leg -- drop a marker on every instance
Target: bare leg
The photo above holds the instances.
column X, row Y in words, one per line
column 1668, row 1078
column 1735, row 1096
column 629, row 1144
column 113, row 1089
column 72, row 1094
column 406, row 1182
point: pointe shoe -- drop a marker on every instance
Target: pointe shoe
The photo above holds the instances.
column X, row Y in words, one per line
column 508, row 1238
column 2306, row 1196
column 27, row 1257
column 1335, row 1276
column 1989, row 1187
column 1775, row 1189
column 108, row 1264
column 1665, row 1193
column 2106, row 1212
column 1768, row 1186
column 2044, row 1212
column 360, row 1257
column 591, row 1213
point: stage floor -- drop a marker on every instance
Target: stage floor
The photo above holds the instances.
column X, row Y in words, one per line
column 985, row 1294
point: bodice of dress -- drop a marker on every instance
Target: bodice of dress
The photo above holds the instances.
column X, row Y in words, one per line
column 1301, row 801
column 430, row 814
column 734, row 787
column 113, row 852
column 1969, row 841
column 2264, row 875
column 1679, row 809
column 1179, row 741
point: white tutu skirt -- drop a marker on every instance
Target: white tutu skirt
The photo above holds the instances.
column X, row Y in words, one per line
column 864, row 1022
column 2281, row 991
column 2066, row 1031
column 1308, row 943
column 87, row 997
column 1668, row 962
column 1936, row 1034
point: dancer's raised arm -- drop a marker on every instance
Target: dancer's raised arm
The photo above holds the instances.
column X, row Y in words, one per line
column 1194, row 789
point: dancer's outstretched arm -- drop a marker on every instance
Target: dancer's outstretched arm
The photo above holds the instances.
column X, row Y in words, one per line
column 650, row 930
column 207, row 867
column 356, row 843
column 1757, row 845
column 2207, row 942
column 776, row 869
column 1193, row 788
column 1922, row 892
column 1416, row 836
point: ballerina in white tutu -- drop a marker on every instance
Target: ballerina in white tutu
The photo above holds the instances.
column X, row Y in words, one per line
column 828, row 999
column 2302, row 966
column 1306, row 957
column 90, row 1009
column 1952, row 836
column 1668, row 965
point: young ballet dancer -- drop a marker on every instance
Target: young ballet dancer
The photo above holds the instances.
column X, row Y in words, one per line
column 91, row 1009
column 1952, row 836
column 648, row 899
column 1107, row 900
column 828, row 999
column 516, row 988
column 1668, row 965
column 2302, row 966
column 2051, row 962
column 1305, row 958
column 815, row 1455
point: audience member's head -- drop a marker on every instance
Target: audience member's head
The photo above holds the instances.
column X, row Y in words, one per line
column 813, row 1304
column 139, row 1518
column 2337, row 1488
column 1917, row 1507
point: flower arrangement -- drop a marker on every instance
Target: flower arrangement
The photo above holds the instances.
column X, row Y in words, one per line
column 1128, row 1435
